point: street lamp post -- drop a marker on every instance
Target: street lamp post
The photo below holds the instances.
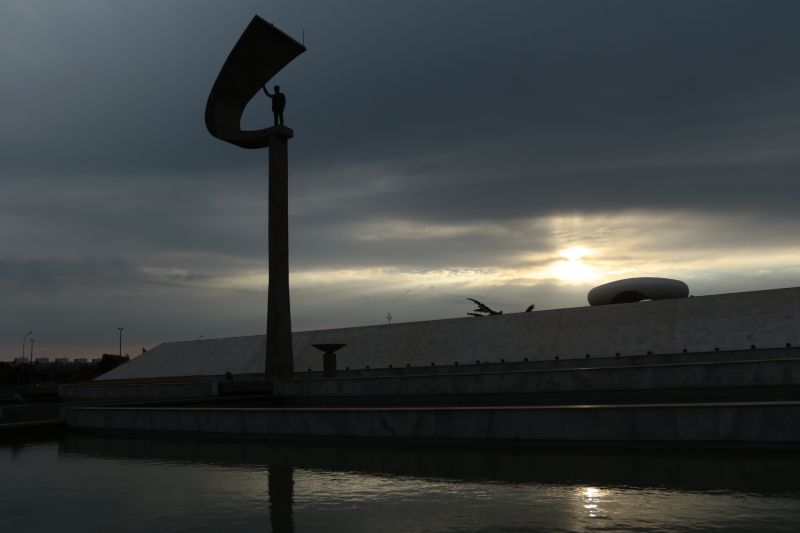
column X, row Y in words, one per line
column 120, row 341
column 32, row 341
column 24, row 339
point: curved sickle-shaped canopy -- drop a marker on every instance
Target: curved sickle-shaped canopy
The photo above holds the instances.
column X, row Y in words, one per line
column 260, row 53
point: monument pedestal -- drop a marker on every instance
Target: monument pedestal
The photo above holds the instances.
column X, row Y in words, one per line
column 280, row 361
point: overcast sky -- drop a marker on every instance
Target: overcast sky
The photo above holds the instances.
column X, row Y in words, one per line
column 517, row 152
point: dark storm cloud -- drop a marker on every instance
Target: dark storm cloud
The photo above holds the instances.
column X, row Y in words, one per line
column 429, row 135
column 132, row 217
column 48, row 277
column 526, row 106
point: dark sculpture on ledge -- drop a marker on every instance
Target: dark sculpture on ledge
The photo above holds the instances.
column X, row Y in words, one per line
column 278, row 103
column 482, row 309
column 485, row 310
column 260, row 53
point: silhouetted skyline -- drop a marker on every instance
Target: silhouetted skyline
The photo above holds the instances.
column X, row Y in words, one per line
column 515, row 154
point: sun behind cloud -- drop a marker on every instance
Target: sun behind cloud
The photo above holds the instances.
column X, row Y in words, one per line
column 571, row 268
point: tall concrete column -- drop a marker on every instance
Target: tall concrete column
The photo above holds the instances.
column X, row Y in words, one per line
column 259, row 54
column 279, row 359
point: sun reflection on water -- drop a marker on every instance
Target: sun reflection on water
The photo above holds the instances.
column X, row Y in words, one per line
column 592, row 499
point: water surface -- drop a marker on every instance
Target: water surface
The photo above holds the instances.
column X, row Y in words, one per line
column 90, row 482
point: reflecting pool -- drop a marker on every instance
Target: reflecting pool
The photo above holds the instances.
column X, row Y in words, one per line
column 123, row 483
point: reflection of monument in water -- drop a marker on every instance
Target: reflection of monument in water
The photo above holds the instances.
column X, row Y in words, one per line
column 280, row 485
column 329, row 485
column 694, row 472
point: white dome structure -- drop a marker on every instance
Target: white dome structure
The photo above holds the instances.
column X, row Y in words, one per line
column 637, row 289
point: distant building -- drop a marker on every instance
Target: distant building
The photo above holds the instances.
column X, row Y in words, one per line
column 81, row 360
column 43, row 360
column 62, row 360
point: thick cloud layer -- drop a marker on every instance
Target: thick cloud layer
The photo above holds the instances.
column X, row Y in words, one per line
column 442, row 150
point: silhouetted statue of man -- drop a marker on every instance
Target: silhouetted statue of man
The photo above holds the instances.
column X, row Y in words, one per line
column 278, row 103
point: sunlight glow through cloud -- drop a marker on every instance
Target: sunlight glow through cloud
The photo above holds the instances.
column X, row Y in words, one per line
column 574, row 251
column 573, row 269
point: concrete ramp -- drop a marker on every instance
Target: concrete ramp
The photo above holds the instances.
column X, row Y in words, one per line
column 732, row 321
